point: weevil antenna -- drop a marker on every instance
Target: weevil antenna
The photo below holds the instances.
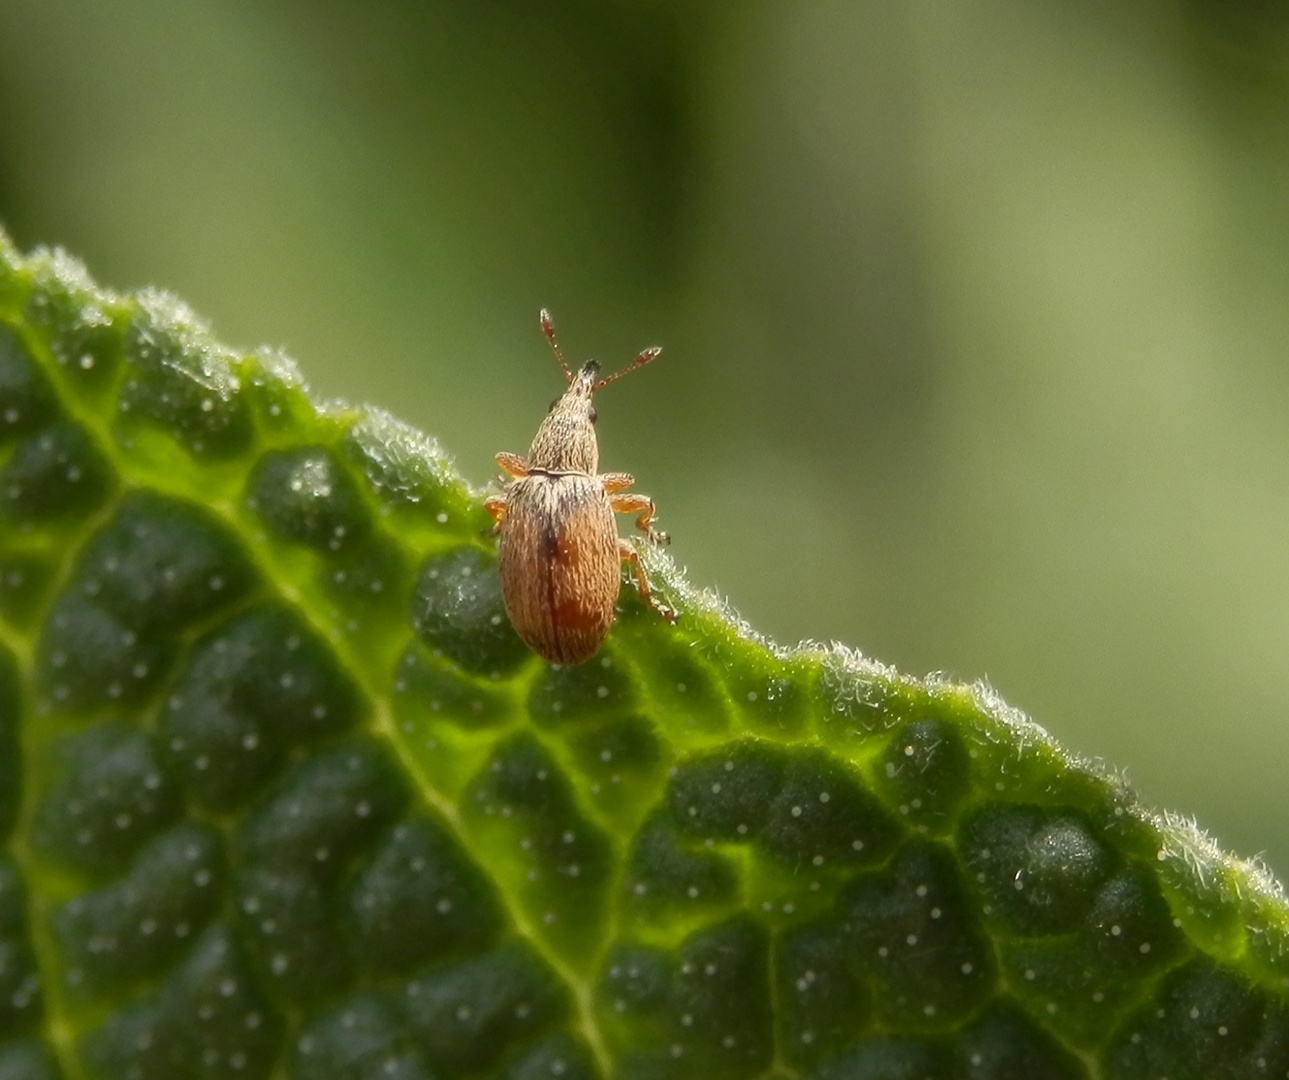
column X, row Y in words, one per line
column 548, row 328
column 646, row 355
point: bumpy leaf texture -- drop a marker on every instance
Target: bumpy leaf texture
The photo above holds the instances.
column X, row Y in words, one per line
column 282, row 795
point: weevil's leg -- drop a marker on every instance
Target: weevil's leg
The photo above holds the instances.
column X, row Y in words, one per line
column 512, row 465
column 642, row 505
column 496, row 507
column 629, row 554
column 615, row 481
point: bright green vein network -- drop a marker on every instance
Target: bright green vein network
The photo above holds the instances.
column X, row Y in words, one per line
column 282, row 795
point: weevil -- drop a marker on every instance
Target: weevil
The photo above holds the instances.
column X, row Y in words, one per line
column 558, row 549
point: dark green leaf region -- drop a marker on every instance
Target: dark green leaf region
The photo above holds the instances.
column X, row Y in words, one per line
column 282, row 795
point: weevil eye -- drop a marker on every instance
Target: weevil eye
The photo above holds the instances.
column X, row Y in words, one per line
column 553, row 404
column 594, row 415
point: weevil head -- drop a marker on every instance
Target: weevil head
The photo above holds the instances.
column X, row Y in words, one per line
column 566, row 439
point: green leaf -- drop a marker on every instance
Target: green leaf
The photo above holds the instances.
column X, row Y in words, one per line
column 282, row 794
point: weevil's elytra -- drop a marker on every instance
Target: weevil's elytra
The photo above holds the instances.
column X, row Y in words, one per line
column 558, row 548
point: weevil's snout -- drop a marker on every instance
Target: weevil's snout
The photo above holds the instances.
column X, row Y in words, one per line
column 577, row 398
column 588, row 376
column 575, row 401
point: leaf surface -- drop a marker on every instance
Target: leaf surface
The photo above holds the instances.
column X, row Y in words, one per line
column 283, row 795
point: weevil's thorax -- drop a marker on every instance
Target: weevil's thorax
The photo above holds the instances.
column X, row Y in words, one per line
column 566, row 442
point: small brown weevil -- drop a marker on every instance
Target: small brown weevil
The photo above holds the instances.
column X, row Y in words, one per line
column 558, row 547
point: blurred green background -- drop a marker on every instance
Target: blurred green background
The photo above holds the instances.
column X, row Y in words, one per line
column 977, row 342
